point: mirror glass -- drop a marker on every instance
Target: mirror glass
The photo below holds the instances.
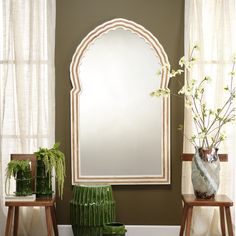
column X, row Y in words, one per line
column 118, row 118
column 120, row 128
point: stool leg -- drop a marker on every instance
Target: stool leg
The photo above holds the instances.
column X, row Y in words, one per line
column 48, row 220
column 222, row 220
column 229, row 221
column 16, row 220
column 54, row 222
column 183, row 220
column 189, row 220
column 10, row 215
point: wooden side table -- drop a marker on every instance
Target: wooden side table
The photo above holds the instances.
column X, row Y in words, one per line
column 221, row 201
column 13, row 214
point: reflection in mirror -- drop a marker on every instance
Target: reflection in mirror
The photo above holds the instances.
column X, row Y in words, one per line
column 119, row 133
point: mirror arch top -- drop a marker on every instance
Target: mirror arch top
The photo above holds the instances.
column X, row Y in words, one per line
column 86, row 43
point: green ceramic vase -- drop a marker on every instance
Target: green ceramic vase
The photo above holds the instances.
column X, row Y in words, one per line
column 43, row 181
column 91, row 208
column 23, row 183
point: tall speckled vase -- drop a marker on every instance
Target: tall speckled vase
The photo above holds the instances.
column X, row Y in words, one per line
column 205, row 173
column 91, row 208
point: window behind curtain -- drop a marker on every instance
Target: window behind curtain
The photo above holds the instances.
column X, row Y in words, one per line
column 27, row 40
column 212, row 26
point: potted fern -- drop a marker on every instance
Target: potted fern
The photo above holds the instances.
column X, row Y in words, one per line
column 47, row 160
column 20, row 170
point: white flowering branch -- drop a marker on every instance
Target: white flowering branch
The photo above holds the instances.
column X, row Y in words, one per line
column 208, row 123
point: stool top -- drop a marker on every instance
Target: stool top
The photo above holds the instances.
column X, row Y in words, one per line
column 37, row 202
column 220, row 200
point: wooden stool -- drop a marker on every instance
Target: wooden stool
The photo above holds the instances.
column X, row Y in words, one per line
column 13, row 206
column 221, row 201
column 13, row 213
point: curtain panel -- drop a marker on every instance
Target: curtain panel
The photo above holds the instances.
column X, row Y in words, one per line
column 27, row 96
column 210, row 24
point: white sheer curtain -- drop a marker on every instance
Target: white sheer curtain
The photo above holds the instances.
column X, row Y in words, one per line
column 27, row 36
column 211, row 25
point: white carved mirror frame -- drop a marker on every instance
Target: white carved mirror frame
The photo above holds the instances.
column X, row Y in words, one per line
column 164, row 177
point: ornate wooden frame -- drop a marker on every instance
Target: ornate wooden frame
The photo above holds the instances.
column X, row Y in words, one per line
column 150, row 39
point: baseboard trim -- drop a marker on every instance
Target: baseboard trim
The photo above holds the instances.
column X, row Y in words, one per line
column 134, row 230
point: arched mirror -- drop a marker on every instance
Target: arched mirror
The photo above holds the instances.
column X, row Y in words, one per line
column 119, row 134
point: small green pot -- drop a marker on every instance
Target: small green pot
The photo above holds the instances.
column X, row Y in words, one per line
column 23, row 183
column 114, row 229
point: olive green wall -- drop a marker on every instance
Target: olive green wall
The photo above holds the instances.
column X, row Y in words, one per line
column 159, row 205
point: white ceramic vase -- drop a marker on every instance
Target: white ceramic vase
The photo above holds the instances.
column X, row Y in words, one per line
column 205, row 173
